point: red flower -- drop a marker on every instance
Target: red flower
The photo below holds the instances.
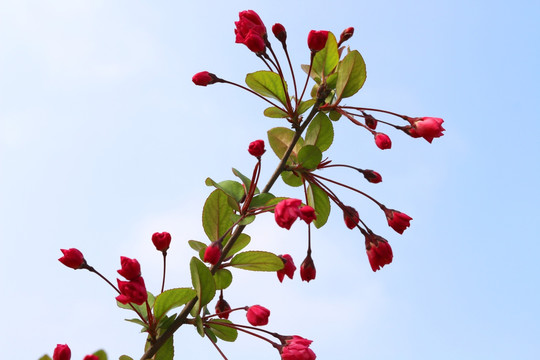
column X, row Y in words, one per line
column 250, row 31
column 133, row 291
column 62, row 352
column 72, row 258
column 317, row 40
column 351, row 217
column 204, row 78
column 427, row 127
column 383, row 141
column 223, row 309
column 161, row 241
column 256, row 148
column 286, row 212
column 279, row 32
column 397, row 220
column 288, row 267
column 258, row 315
column 378, row 251
column 307, row 213
column 131, row 269
column 212, row 253
column 372, row 176
column 307, row 269
column 297, row 348
column 91, row 357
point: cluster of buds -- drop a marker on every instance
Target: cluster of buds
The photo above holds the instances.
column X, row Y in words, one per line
column 63, row 352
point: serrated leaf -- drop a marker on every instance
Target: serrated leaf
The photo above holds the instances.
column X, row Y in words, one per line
column 245, row 180
column 171, row 299
column 257, row 261
column 269, row 84
column 320, row 132
column 232, row 188
column 280, row 139
column 166, row 352
column 261, row 200
column 351, row 75
column 275, row 113
column 203, row 282
column 319, row 201
column 223, row 278
column 305, row 105
column 240, row 243
column 223, row 332
column 309, row 157
column 217, row 215
column 291, row 179
column 101, row 354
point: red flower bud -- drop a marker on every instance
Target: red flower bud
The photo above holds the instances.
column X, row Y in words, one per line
column 317, row 40
column 91, row 357
column 161, row 241
column 62, row 352
column 250, row 31
column 427, row 127
column 378, row 251
column 307, row 213
column 372, row 176
column 286, row 212
column 307, row 269
column 256, row 148
column 279, row 32
column 351, row 217
column 258, row 315
column 204, row 78
column 397, row 220
column 133, row 291
column 346, row 35
column 383, row 141
column 370, row 121
column 288, row 267
column 223, row 309
column 72, row 258
column 254, row 42
column 131, row 269
column 212, row 253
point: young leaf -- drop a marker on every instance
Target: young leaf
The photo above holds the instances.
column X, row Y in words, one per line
column 217, row 215
column 261, row 200
column 203, row 282
column 223, row 332
column 305, row 105
column 320, row 132
column 280, row 138
column 318, row 200
column 274, row 112
column 291, row 179
column 47, row 357
column 171, row 299
column 240, row 243
column 199, row 325
column 232, row 188
column 327, row 59
column 245, row 180
column 123, row 357
column 101, row 355
column 257, row 261
column 267, row 83
column 140, row 308
column 351, row 75
column 223, row 279
column 309, row 157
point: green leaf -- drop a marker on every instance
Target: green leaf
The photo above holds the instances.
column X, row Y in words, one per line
column 334, row 115
column 267, row 83
column 257, row 261
column 217, row 215
column 351, row 75
column 247, row 220
column 261, row 200
column 275, row 201
column 319, row 201
column 327, row 59
column 305, row 105
column 245, row 180
column 45, row 357
column 274, row 112
column 166, row 352
column 320, row 132
column 138, row 322
column 171, row 299
column 291, row 179
column 140, row 308
column 203, row 282
column 101, row 354
column 240, row 243
column 280, row 139
column 223, row 279
column 199, row 325
column 125, row 357
column 309, row 156
column 223, row 332
column 197, row 245
column 232, row 188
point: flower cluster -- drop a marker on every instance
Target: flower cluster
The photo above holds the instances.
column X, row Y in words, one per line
column 133, row 290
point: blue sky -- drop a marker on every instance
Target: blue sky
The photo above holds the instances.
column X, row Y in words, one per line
column 104, row 140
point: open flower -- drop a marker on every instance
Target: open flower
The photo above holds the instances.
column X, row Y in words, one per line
column 297, row 348
column 288, row 267
column 397, row 220
column 427, row 127
column 286, row 212
column 378, row 251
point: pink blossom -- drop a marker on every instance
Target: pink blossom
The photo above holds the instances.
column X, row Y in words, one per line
column 286, row 212
column 256, row 148
column 133, row 291
column 397, row 220
column 131, row 269
column 212, row 253
column 162, row 240
column 258, row 315
column 307, row 213
column 288, row 267
column 383, row 141
column 378, row 251
column 72, row 258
